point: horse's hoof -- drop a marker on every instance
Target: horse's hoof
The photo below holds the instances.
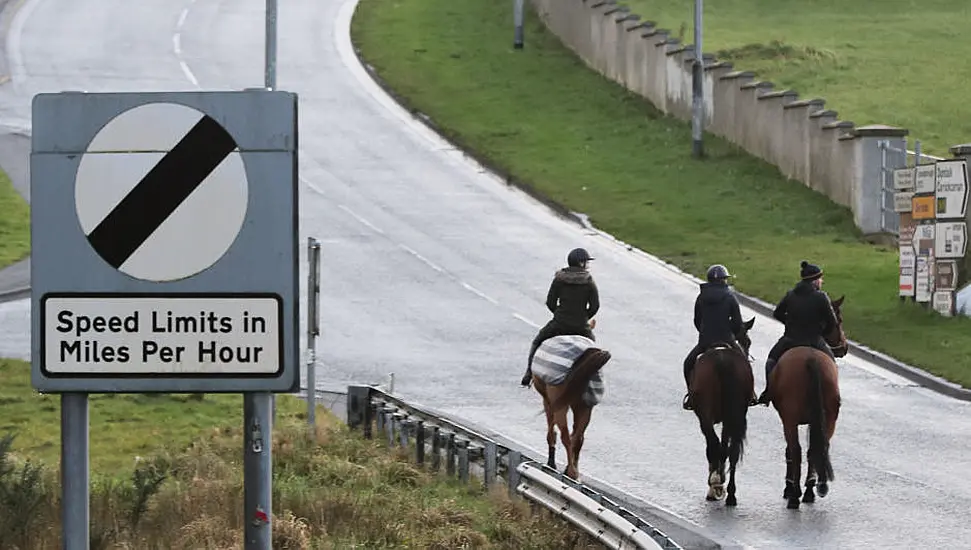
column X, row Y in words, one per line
column 823, row 490
column 809, row 497
column 793, row 504
column 710, row 498
column 731, row 501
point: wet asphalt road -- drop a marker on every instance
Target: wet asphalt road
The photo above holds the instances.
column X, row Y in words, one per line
column 438, row 272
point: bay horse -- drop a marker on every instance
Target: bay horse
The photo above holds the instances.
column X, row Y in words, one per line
column 805, row 391
column 572, row 394
column 722, row 386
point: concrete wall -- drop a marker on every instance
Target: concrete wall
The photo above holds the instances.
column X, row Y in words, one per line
column 806, row 142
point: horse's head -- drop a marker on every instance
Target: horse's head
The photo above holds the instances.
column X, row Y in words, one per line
column 837, row 338
column 743, row 338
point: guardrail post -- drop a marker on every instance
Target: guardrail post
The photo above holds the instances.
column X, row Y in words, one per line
column 491, row 453
column 396, row 426
column 463, row 460
column 420, row 442
column 389, row 426
column 450, row 454
column 403, row 434
column 359, row 408
column 436, row 449
column 378, row 419
column 512, row 471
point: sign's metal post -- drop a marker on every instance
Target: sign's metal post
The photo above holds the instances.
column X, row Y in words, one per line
column 517, row 15
column 313, row 327
column 257, row 472
column 75, row 471
column 259, row 408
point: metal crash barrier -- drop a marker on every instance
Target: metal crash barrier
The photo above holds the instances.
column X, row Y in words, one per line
column 438, row 442
column 580, row 510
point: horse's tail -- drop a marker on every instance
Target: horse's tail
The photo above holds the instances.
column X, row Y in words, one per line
column 579, row 377
column 818, row 445
column 734, row 404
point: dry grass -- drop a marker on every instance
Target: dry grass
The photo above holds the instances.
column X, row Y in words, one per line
column 336, row 490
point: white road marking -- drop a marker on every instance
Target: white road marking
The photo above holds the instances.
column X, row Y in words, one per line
column 188, row 73
column 360, row 219
column 525, row 320
column 479, row 292
column 177, row 45
column 414, row 253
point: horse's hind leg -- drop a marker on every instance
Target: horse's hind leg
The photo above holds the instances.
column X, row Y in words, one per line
column 561, row 423
column 716, row 461
column 793, row 459
column 581, row 419
column 732, row 453
column 834, row 410
column 550, row 434
column 809, row 495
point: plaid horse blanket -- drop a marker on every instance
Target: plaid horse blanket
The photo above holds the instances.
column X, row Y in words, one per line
column 555, row 358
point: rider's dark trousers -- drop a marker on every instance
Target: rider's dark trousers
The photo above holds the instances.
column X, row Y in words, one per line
column 689, row 362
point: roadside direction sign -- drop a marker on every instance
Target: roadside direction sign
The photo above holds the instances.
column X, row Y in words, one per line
column 904, row 179
column 165, row 246
column 951, row 188
column 903, row 201
column 925, row 178
column 950, row 239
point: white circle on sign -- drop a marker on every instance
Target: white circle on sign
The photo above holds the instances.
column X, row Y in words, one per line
column 161, row 192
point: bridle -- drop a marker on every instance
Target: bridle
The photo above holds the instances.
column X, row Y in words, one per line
column 843, row 348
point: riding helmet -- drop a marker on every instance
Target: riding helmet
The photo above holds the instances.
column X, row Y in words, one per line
column 577, row 257
column 718, row 272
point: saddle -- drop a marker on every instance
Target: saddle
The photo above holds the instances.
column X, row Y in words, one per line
column 718, row 346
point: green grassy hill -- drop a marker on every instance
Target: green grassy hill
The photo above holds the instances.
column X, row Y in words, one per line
column 896, row 62
column 542, row 116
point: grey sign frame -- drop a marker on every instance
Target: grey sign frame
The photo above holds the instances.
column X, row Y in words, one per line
column 263, row 259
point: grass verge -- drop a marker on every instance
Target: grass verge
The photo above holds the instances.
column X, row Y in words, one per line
column 334, row 490
column 14, row 223
column 540, row 115
column 844, row 51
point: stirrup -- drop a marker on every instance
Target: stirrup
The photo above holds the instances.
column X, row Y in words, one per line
column 686, row 403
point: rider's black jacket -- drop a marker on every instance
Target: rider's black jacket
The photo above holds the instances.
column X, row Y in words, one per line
column 573, row 297
column 806, row 312
column 717, row 316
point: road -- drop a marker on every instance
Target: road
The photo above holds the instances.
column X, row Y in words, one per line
column 437, row 272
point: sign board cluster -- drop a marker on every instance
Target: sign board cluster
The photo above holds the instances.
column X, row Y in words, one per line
column 164, row 233
column 932, row 200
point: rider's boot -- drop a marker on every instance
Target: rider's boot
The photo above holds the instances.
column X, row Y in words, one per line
column 765, row 397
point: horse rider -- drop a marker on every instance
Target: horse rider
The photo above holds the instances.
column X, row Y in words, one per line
column 808, row 315
column 717, row 319
column 573, row 299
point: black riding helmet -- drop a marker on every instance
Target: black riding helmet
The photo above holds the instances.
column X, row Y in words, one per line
column 718, row 272
column 577, row 257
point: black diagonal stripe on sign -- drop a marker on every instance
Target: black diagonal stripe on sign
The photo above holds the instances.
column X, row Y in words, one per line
column 161, row 191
